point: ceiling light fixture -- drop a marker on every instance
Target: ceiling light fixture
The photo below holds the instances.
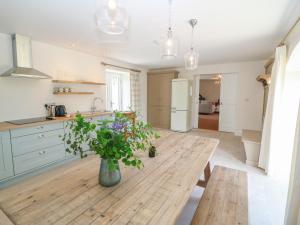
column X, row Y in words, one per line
column 191, row 58
column 112, row 17
column 169, row 44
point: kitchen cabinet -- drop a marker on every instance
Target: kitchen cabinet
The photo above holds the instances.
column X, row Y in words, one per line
column 35, row 129
column 66, row 131
column 35, row 142
column 39, row 158
column 85, row 146
column 6, row 163
column 159, row 88
column 37, row 146
column 28, row 149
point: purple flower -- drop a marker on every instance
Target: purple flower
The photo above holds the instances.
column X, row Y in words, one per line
column 117, row 126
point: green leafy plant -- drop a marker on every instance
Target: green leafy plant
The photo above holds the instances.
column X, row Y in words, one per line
column 114, row 139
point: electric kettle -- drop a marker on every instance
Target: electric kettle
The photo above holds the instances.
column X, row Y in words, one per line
column 60, row 110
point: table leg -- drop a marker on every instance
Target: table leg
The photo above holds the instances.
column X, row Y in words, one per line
column 207, row 173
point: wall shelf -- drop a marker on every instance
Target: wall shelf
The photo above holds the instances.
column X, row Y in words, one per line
column 73, row 93
column 77, row 82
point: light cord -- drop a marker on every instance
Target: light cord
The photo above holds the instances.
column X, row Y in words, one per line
column 170, row 12
column 192, row 42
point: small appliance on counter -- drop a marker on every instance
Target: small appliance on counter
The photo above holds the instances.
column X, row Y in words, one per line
column 50, row 110
column 60, row 110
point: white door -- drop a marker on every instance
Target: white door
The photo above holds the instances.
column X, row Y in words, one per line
column 227, row 119
column 180, row 94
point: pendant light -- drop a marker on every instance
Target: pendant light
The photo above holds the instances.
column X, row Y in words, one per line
column 112, row 17
column 191, row 58
column 169, row 43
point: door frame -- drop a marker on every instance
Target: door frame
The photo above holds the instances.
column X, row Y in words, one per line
column 196, row 90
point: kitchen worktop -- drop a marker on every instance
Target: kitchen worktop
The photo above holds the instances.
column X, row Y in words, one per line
column 4, row 126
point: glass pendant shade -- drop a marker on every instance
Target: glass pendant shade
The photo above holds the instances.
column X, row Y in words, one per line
column 112, row 18
column 191, row 59
column 169, row 46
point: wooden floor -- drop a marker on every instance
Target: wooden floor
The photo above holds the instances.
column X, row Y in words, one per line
column 209, row 122
column 154, row 195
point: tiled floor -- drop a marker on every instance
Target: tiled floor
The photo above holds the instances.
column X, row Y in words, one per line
column 266, row 197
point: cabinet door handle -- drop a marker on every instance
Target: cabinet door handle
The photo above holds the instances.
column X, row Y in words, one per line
column 41, row 135
column 40, row 127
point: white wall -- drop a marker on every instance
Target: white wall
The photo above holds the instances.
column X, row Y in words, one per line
column 23, row 98
column 250, row 92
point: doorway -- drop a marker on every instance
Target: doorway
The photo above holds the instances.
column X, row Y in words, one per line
column 209, row 103
column 218, row 111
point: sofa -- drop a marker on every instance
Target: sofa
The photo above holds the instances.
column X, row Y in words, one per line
column 206, row 107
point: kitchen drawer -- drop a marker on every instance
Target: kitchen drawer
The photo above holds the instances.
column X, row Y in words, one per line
column 34, row 142
column 34, row 130
column 39, row 158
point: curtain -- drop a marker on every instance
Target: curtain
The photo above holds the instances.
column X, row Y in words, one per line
column 135, row 91
column 293, row 203
column 270, row 127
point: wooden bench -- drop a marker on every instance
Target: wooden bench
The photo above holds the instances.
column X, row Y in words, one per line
column 225, row 199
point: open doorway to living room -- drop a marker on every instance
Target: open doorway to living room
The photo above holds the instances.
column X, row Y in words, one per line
column 209, row 102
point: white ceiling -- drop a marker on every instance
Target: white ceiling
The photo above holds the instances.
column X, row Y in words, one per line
column 227, row 31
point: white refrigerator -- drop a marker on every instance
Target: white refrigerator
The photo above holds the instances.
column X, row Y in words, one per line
column 181, row 104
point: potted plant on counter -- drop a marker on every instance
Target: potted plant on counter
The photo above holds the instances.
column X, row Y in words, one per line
column 114, row 140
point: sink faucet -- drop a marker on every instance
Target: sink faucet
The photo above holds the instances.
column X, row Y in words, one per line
column 93, row 108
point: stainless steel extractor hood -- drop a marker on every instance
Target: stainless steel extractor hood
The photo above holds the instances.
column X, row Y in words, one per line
column 22, row 60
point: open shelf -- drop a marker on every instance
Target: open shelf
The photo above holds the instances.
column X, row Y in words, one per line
column 73, row 93
column 77, row 82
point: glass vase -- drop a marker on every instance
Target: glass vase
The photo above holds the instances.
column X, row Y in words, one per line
column 107, row 177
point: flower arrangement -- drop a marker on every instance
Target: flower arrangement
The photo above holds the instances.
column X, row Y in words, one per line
column 114, row 140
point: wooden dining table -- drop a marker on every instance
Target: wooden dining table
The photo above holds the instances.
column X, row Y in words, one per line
column 154, row 195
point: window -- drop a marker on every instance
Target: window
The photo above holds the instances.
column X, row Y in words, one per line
column 117, row 90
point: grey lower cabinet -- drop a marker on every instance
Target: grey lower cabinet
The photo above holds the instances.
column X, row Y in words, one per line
column 36, row 147
column 39, row 158
column 28, row 149
column 85, row 146
column 71, row 155
column 6, row 163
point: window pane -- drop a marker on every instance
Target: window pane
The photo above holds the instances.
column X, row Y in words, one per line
column 115, row 89
column 118, row 90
